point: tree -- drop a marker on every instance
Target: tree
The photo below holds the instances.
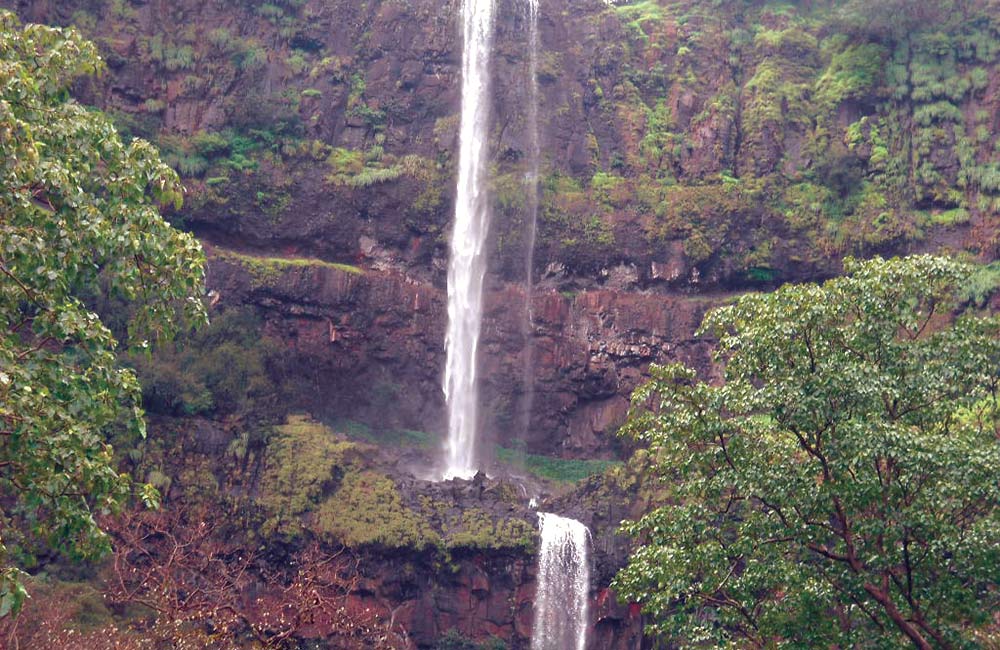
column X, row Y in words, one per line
column 78, row 217
column 182, row 566
column 199, row 586
column 839, row 488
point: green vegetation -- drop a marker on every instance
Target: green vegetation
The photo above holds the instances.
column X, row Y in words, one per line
column 217, row 154
column 980, row 284
column 394, row 438
column 550, row 468
column 567, row 213
column 317, row 480
column 637, row 14
column 305, row 461
column 909, row 74
column 839, row 488
column 224, row 369
column 268, row 270
column 80, row 218
column 560, row 470
column 356, row 169
column 455, row 640
column 367, row 510
column 853, row 73
column 478, row 530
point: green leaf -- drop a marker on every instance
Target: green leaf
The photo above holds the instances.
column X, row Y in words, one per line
column 88, row 229
column 844, row 471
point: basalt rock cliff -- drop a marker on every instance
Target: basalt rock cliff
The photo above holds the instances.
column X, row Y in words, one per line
column 689, row 150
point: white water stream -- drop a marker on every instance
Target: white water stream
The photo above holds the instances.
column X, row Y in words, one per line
column 531, row 225
column 467, row 265
column 561, row 616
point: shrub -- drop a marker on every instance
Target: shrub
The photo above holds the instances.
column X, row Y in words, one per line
column 222, row 369
column 296, row 62
column 852, row 74
column 940, row 111
column 210, row 143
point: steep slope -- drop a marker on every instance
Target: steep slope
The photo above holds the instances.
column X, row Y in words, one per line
column 686, row 148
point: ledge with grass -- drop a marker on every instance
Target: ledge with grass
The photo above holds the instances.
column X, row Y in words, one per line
column 267, row 270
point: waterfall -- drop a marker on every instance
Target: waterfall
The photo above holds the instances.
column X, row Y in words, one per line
column 561, row 617
column 531, row 226
column 467, row 265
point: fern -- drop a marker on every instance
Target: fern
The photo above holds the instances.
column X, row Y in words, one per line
column 178, row 58
column 941, row 111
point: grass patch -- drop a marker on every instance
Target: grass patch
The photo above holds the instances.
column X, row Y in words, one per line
column 393, row 438
column 267, row 270
column 560, row 470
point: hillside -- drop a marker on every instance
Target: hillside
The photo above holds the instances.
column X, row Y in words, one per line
column 690, row 151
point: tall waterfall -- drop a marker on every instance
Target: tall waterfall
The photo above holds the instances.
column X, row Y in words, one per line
column 531, row 225
column 468, row 260
column 561, row 617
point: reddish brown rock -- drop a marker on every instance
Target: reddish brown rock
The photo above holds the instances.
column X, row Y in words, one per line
column 371, row 347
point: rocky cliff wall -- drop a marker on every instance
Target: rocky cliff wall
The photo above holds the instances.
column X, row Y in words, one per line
column 370, row 344
column 741, row 143
column 685, row 150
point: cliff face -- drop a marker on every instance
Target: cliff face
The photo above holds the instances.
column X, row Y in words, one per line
column 683, row 151
column 740, row 145
column 689, row 150
column 372, row 341
column 492, row 597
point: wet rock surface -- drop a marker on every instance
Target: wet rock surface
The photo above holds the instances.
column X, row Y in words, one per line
column 370, row 345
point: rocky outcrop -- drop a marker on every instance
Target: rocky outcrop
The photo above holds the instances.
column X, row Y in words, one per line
column 485, row 594
column 421, row 560
column 367, row 345
column 481, row 596
column 739, row 148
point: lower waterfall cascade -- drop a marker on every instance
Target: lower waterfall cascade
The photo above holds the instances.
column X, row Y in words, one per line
column 561, row 619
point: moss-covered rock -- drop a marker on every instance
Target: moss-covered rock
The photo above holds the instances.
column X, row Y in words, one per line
column 477, row 529
column 367, row 510
column 305, row 462
column 265, row 271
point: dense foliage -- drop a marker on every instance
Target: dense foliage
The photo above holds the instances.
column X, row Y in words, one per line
column 839, row 488
column 78, row 218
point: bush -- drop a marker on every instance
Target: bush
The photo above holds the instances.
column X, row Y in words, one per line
column 210, row 143
column 223, row 369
